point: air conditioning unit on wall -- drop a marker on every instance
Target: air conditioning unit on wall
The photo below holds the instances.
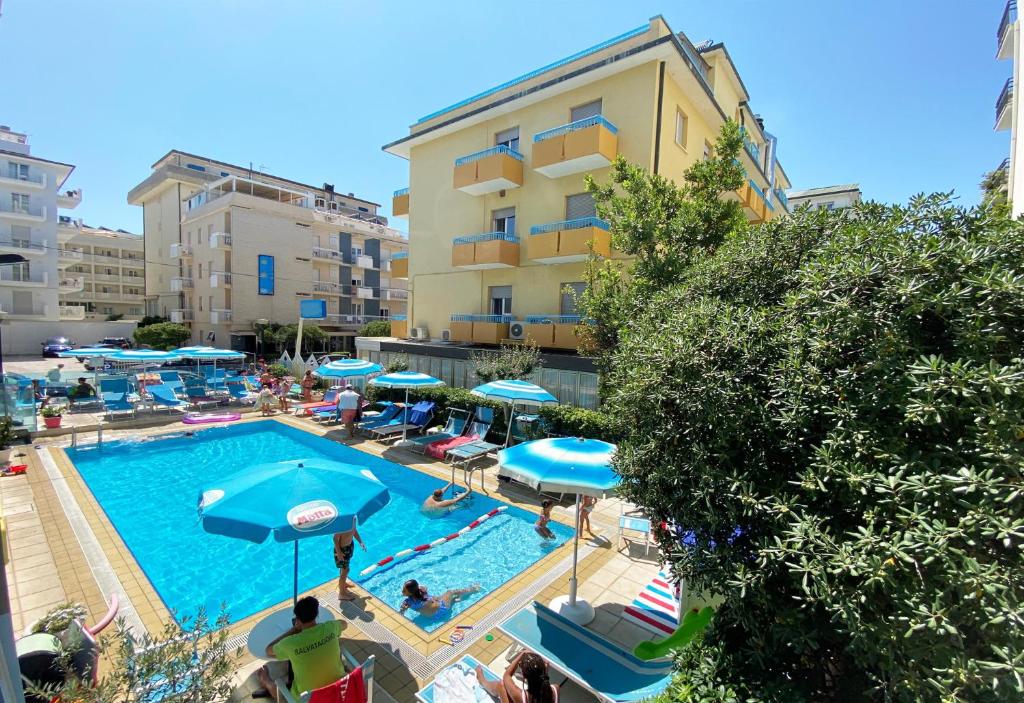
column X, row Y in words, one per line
column 517, row 330
column 446, row 335
column 419, row 333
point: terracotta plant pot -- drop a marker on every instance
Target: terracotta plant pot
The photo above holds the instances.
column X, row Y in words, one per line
column 52, row 423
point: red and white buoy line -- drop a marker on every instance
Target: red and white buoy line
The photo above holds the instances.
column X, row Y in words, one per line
column 437, row 542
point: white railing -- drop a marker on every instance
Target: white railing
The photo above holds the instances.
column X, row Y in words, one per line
column 180, row 316
column 327, row 254
column 8, row 277
column 328, row 287
column 219, row 316
column 179, row 250
column 179, row 284
column 364, row 292
column 364, row 261
column 220, row 240
column 220, row 279
column 396, row 294
column 23, row 247
column 35, row 180
column 37, row 213
column 72, row 284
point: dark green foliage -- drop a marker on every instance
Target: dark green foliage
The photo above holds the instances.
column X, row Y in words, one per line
column 511, row 362
column 376, row 328
column 278, row 370
column 6, row 432
column 314, row 338
column 114, row 317
column 847, row 389
column 151, row 320
column 399, row 362
column 571, row 421
column 162, row 335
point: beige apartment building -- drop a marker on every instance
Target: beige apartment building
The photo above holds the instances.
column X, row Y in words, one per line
column 102, row 272
column 228, row 249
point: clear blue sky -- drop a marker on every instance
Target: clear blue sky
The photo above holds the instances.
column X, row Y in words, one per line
column 898, row 96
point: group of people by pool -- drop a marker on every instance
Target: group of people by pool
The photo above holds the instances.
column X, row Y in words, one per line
column 308, row 655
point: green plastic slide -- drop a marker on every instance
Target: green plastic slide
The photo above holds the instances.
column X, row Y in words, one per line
column 693, row 623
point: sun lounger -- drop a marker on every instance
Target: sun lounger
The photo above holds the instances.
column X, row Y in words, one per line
column 465, row 454
column 477, row 431
column 455, row 426
column 656, row 607
column 460, row 680
column 419, row 418
column 197, row 397
column 172, row 380
column 163, row 396
column 238, row 391
column 590, row 661
column 117, row 403
column 393, row 413
column 329, row 400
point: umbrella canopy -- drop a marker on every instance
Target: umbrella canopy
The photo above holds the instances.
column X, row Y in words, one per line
column 564, row 465
column 291, row 500
column 209, row 354
column 85, row 352
column 143, row 356
column 183, row 350
column 348, row 368
column 515, row 392
column 561, row 465
column 407, row 380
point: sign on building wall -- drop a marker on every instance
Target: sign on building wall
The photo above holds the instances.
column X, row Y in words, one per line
column 265, row 270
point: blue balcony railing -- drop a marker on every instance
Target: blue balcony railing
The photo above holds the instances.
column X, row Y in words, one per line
column 553, row 319
column 575, row 127
column 1009, row 17
column 765, row 198
column 400, row 255
column 401, row 191
column 486, row 237
column 752, row 149
column 780, row 195
column 1004, row 97
column 579, row 223
column 399, row 318
column 500, row 149
column 502, row 319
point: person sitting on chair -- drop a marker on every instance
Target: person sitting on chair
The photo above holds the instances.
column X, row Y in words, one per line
column 84, row 389
column 313, row 650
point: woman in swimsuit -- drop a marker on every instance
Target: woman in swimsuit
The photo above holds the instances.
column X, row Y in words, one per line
column 534, row 687
column 541, row 526
column 417, row 598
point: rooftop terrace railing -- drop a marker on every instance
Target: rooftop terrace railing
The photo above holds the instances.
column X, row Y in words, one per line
column 1009, row 17
column 1004, row 97
column 553, row 319
column 401, row 191
column 400, row 255
column 576, row 126
column 500, row 149
column 486, row 237
column 578, row 223
column 501, row 319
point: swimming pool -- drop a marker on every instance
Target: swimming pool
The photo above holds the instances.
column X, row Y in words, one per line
column 148, row 490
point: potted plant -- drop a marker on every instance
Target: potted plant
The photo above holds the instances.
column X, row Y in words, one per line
column 51, row 417
column 58, row 619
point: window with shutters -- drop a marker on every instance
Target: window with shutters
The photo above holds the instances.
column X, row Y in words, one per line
column 501, row 300
column 508, row 137
column 582, row 112
column 504, row 220
column 682, row 122
column 580, row 205
column 571, row 293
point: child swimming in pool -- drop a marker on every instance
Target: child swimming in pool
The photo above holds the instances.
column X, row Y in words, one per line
column 541, row 526
column 417, row 598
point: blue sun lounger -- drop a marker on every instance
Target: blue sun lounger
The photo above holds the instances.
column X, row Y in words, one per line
column 456, row 425
column 590, row 661
column 164, row 396
column 418, row 418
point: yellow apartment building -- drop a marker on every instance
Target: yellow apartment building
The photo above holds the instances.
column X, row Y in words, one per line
column 102, row 272
column 496, row 202
column 229, row 249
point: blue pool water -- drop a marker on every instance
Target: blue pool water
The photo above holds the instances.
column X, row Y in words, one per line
column 149, row 491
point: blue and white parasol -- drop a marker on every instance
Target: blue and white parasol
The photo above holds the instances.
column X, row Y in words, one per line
column 515, row 393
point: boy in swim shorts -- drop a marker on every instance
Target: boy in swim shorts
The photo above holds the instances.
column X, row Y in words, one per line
column 344, row 548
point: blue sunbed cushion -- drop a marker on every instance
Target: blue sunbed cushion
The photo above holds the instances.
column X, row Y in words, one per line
column 585, row 656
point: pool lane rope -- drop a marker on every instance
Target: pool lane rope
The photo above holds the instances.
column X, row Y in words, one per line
column 415, row 551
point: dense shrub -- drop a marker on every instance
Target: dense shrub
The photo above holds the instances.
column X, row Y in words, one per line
column 376, row 328
column 162, row 335
column 832, row 407
column 578, row 422
column 509, row 362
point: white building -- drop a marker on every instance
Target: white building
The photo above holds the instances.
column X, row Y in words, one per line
column 31, row 192
column 1008, row 113
column 103, row 272
column 825, row 198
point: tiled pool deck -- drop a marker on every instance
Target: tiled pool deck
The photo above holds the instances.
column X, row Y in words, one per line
column 64, row 548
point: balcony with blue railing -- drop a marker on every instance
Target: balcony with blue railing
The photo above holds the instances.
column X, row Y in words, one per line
column 489, row 250
column 569, row 240
column 488, row 171
column 479, row 329
column 1004, row 49
column 577, row 147
column 1003, row 103
column 400, row 203
column 780, row 196
column 552, row 331
column 400, row 264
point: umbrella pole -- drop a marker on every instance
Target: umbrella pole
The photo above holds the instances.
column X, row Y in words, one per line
column 295, row 577
column 575, row 554
column 511, row 419
column 406, row 414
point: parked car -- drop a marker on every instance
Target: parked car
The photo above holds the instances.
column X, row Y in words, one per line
column 53, row 346
column 119, row 342
column 93, row 362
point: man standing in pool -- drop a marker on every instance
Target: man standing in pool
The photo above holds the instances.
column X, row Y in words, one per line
column 436, row 501
column 313, row 650
column 344, row 548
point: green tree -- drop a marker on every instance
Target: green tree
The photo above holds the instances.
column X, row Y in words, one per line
column 151, row 320
column 664, row 227
column 376, row 328
column 509, row 362
column 162, row 335
column 994, row 186
column 830, row 409
column 314, row 338
column 399, row 362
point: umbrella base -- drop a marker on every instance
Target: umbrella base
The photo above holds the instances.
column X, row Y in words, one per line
column 580, row 613
column 404, row 443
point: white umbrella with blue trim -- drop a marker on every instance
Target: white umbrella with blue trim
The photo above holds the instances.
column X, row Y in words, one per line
column 406, row 380
column 516, row 393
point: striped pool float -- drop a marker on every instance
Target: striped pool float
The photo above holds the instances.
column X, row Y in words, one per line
column 656, row 608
